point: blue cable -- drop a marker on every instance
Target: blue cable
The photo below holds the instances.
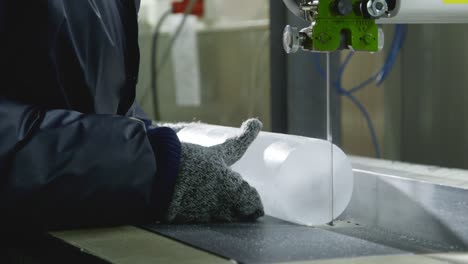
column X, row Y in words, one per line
column 368, row 119
column 380, row 76
column 356, row 102
column 397, row 45
column 318, row 66
column 351, row 97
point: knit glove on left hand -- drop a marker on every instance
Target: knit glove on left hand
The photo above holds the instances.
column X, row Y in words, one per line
column 208, row 190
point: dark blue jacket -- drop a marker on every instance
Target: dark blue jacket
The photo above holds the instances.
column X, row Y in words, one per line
column 70, row 155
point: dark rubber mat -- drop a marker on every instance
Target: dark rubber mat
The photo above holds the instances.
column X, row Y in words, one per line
column 272, row 240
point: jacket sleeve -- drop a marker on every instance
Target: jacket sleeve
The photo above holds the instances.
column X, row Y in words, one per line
column 137, row 5
column 63, row 169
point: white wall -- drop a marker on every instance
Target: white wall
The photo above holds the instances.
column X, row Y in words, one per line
column 151, row 10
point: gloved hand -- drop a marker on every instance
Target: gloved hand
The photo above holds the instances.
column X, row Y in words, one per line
column 208, row 190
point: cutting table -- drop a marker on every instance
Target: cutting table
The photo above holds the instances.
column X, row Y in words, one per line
column 399, row 213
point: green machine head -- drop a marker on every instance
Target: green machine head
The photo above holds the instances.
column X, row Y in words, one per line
column 337, row 25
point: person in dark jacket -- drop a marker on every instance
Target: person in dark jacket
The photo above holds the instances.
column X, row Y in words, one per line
column 75, row 150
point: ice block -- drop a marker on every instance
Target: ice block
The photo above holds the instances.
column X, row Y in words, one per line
column 291, row 173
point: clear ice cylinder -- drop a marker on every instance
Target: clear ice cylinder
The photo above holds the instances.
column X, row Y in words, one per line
column 291, row 173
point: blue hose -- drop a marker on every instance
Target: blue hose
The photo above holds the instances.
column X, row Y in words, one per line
column 380, row 76
column 368, row 119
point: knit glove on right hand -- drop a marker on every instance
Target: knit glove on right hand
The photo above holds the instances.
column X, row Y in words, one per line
column 208, row 190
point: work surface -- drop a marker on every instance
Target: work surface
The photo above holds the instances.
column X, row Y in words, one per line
column 399, row 213
column 134, row 245
column 273, row 241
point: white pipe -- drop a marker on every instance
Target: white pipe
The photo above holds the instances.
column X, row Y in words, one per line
column 291, row 173
column 428, row 12
column 417, row 12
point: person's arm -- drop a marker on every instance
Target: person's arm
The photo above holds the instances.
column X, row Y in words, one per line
column 63, row 169
column 137, row 5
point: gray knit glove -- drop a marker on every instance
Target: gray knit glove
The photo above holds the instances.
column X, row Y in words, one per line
column 208, row 190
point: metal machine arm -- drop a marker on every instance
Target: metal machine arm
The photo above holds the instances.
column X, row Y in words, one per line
column 352, row 24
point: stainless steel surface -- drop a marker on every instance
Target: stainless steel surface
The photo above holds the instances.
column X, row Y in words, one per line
column 450, row 177
column 424, row 212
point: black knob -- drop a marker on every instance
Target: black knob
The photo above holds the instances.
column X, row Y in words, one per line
column 344, row 7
